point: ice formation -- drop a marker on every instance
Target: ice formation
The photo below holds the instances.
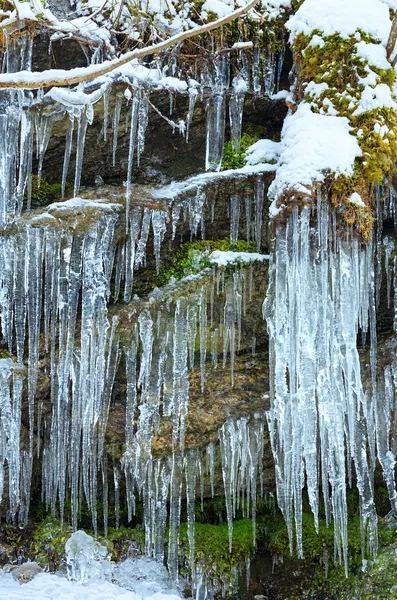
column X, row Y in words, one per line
column 322, row 290
column 92, row 576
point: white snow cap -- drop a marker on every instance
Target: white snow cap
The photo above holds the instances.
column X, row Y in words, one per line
column 341, row 16
column 262, row 151
column 355, row 198
column 312, row 144
column 275, row 7
column 374, row 54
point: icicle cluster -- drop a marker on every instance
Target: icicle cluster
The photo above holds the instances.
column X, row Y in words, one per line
column 167, row 480
column 52, row 271
column 321, row 291
column 14, row 461
column 16, row 133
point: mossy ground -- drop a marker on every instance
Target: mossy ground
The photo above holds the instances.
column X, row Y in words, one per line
column 45, row 543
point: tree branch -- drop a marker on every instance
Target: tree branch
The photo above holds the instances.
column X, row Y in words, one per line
column 391, row 42
column 54, row 77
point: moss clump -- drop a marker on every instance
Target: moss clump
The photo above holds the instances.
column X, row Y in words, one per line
column 193, row 257
column 43, row 195
column 48, row 543
column 126, row 542
column 336, row 62
column 236, row 160
column 211, row 549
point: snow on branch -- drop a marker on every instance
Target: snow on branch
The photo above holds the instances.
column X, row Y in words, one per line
column 57, row 77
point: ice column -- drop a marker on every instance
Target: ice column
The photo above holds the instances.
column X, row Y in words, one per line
column 319, row 294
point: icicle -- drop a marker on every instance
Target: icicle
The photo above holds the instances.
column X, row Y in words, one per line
column 316, row 391
column 211, row 465
column 191, row 471
column 44, row 130
column 215, row 109
column 256, row 74
column 135, row 109
column 143, row 119
column 236, row 107
column 259, row 197
column 180, row 379
column 116, row 497
column 269, row 75
column 175, row 515
column 196, row 210
column 234, row 217
column 141, row 247
column 389, row 247
column 159, row 230
column 68, row 151
column 11, row 381
column 82, row 121
column 25, row 162
column 116, row 124
column 193, row 93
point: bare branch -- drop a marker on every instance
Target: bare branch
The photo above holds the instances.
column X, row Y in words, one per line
column 391, row 42
column 53, row 77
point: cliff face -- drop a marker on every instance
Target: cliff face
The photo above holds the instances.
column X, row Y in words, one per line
column 141, row 371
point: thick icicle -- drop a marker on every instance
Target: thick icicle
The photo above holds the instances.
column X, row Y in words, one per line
column 318, row 288
column 236, row 107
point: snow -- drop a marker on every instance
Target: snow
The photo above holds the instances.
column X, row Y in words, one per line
column 312, row 144
column 277, row 7
column 177, row 188
column 373, row 54
column 281, row 95
column 222, row 259
column 373, row 98
column 221, row 8
column 317, row 42
column 263, row 151
column 243, row 45
column 342, row 17
column 55, row 587
column 355, row 198
column 81, row 204
column 24, row 11
column 316, row 89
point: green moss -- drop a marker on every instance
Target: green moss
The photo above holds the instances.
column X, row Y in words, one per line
column 212, row 547
column 338, row 64
column 192, row 257
column 125, row 540
column 48, row 543
column 43, row 195
column 236, row 160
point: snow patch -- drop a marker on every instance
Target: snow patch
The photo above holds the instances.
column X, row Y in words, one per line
column 311, row 145
column 373, row 98
column 222, row 259
column 263, row 151
column 355, row 198
column 373, row 54
column 343, row 17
